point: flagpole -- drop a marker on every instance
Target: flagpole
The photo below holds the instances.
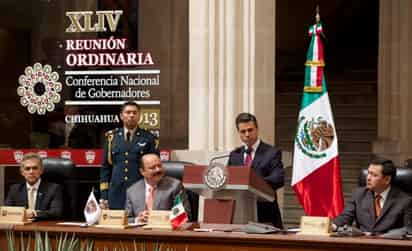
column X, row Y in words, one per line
column 316, row 171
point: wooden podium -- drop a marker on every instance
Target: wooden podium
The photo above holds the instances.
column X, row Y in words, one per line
column 238, row 196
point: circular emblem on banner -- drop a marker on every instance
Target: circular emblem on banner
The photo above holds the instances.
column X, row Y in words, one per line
column 315, row 136
column 39, row 89
column 215, row 176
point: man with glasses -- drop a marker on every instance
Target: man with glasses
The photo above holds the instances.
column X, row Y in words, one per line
column 43, row 200
column 264, row 159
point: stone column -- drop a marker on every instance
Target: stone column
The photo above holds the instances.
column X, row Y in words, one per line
column 232, row 57
column 232, row 70
column 394, row 77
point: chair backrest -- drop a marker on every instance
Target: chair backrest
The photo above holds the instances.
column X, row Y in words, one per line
column 175, row 169
column 408, row 163
column 403, row 178
column 61, row 171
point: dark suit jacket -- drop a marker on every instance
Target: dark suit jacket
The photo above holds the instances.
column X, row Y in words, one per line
column 268, row 164
column 396, row 211
column 166, row 192
column 49, row 200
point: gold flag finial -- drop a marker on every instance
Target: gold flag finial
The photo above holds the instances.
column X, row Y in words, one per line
column 317, row 14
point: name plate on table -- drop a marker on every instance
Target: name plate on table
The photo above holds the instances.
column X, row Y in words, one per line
column 159, row 219
column 113, row 219
column 310, row 225
column 13, row 215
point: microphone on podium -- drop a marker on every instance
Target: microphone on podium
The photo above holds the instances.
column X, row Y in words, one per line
column 247, row 150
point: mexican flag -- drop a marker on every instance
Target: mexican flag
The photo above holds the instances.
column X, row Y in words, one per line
column 316, row 175
column 178, row 215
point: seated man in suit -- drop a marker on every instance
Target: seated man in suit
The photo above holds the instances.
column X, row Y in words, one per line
column 264, row 159
column 380, row 206
column 154, row 192
column 43, row 200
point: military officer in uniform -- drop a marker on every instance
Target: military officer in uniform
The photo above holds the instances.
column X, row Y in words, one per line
column 123, row 150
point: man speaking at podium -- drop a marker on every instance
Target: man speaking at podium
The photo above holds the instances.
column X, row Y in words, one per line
column 265, row 160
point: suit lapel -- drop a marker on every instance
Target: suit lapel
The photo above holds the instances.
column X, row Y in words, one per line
column 141, row 196
column 240, row 157
column 258, row 155
column 158, row 195
column 24, row 195
column 40, row 195
column 390, row 200
column 370, row 205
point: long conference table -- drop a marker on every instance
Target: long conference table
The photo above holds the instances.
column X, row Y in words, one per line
column 227, row 238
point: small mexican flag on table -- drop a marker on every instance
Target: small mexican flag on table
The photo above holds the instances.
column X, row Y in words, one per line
column 178, row 215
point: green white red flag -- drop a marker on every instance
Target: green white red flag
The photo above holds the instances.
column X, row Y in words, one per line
column 178, row 215
column 316, row 175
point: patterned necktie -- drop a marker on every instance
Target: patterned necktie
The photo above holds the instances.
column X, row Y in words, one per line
column 248, row 159
column 150, row 198
column 378, row 208
column 32, row 202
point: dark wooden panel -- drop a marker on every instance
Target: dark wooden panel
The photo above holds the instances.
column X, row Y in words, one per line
column 14, row 119
column 164, row 32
